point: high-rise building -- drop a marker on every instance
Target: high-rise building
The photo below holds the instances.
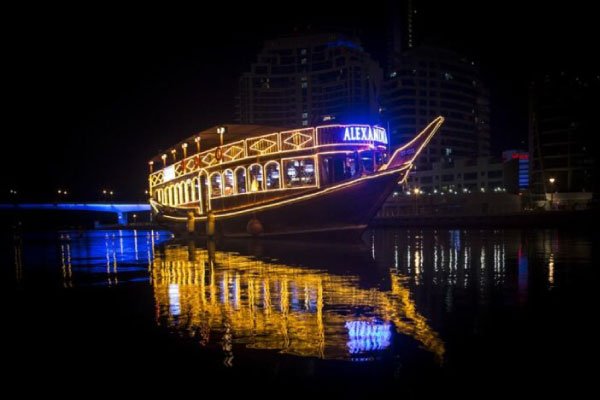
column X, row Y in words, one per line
column 562, row 133
column 427, row 82
column 305, row 80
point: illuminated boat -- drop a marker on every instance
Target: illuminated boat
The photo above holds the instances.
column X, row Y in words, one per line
column 255, row 180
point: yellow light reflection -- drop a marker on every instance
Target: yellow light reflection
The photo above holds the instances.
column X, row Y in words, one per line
column 551, row 270
column 268, row 305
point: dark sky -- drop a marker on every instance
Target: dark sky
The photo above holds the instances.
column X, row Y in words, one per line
column 93, row 94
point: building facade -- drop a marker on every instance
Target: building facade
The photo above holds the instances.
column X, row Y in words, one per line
column 428, row 82
column 521, row 158
column 562, row 132
column 477, row 175
column 305, row 80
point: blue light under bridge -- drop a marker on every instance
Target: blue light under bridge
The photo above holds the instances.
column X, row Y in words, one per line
column 120, row 209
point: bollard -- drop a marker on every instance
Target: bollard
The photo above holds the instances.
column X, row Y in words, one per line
column 191, row 222
column 210, row 224
column 254, row 227
column 191, row 251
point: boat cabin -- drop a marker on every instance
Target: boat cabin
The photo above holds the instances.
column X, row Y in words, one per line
column 231, row 166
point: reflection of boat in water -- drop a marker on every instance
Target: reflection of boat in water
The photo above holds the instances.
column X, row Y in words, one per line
column 309, row 181
column 216, row 296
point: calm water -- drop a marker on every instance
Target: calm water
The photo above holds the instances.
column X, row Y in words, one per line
column 417, row 312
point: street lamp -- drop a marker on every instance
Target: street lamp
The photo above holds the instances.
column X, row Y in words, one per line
column 164, row 158
column 552, row 180
column 197, row 140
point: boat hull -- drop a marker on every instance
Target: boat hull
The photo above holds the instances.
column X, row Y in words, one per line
column 337, row 213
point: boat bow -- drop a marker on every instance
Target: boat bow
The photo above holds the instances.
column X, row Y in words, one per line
column 407, row 153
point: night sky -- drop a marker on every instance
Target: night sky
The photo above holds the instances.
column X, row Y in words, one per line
column 93, row 94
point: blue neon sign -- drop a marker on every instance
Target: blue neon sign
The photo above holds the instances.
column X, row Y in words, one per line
column 364, row 133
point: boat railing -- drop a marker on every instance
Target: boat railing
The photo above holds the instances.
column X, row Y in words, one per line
column 279, row 142
column 329, row 136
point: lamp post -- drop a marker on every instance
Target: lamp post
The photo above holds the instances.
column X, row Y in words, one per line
column 221, row 130
column 416, row 191
column 197, row 140
column 551, row 180
column 184, row 148
column 62, row 192
column 164, row 158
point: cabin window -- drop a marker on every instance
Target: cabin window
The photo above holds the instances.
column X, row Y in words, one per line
column 227, row 182
column 340, row 167
column 215, row 185
column 195, row 187
column 255, row 175
column 240, row 180
column 372, row 160
column 169, row 196
column 272, row 175
column 175, row 194
column 299, row 172
column 187, row 188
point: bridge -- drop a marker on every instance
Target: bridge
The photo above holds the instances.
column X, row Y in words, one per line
column 120, row 209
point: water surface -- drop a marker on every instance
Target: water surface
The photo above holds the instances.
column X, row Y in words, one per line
column 420, row 312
